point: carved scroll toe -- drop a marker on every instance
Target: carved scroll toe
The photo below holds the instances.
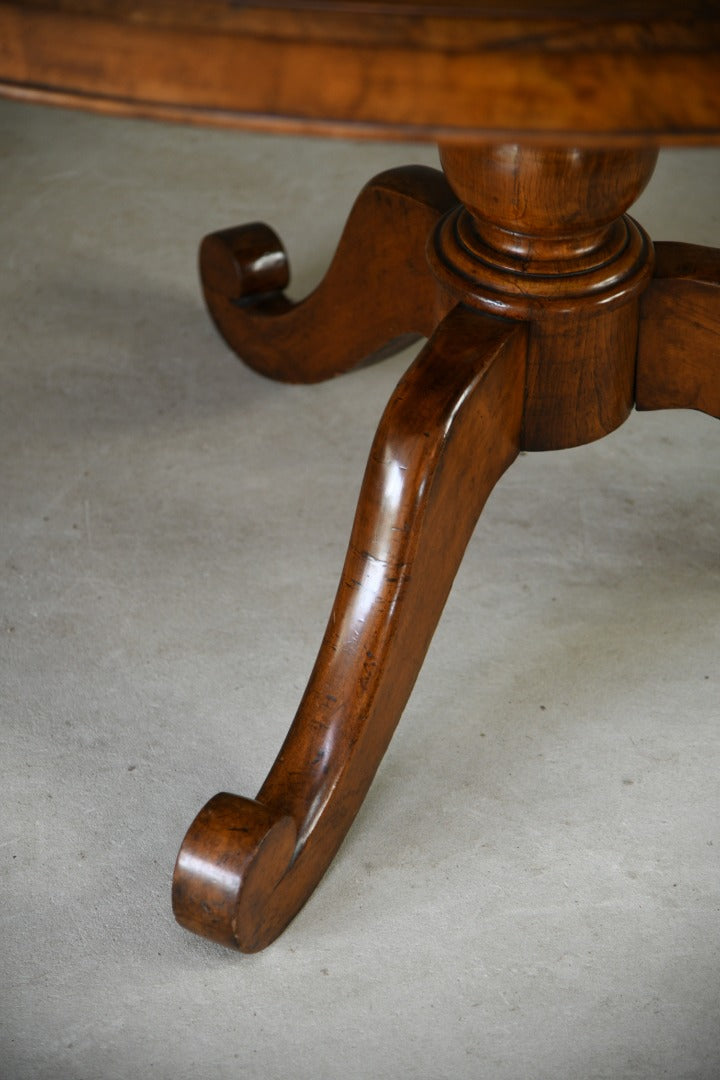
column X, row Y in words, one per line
column 246, row 262
column 378, row 290
column 450, row 430
column 232, row 857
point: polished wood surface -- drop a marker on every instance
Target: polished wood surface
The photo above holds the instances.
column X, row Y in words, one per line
column 549, row 311
column 678, row 364
column 459, row 404
column 541, row 236
column 245, row 270
column 545, row 308
column 550, row 70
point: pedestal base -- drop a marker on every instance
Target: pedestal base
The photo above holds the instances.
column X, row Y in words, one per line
column 545, row 325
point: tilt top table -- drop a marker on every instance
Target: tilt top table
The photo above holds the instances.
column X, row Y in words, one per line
column 548, row 311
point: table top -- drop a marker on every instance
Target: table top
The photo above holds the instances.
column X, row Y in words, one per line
column 563, row 71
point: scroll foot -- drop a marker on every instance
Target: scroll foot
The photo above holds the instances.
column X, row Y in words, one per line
column 450, row 430
column 378, row 289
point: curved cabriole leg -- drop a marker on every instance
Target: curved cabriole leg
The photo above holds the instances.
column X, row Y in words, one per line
column 377, row 290
column 678, row 363
column 450, row 430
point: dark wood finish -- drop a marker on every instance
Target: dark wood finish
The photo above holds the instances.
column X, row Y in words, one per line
column 679, row 351
column 380, row 267
column 558, row 70
column 547, row 312
column 451, row 429
column 537, row 245
column 542, row 237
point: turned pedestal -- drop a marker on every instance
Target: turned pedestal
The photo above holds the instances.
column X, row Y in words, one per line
column 548, row 314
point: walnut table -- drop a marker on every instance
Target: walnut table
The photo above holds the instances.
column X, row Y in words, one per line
column 548, row 312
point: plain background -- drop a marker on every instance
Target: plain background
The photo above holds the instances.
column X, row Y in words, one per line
column 531, row 889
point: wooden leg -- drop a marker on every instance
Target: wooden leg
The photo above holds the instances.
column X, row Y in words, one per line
column 531, row 290
column 678, row 364
column 450, row 430
column 378, row 288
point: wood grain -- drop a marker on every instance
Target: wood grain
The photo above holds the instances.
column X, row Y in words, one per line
column 451, row 429
column 378, row 289
column 541, row 237
column 520, row 264
column 679, row 349
column 396, row 69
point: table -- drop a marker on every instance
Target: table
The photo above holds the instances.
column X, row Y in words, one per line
column 549, row 312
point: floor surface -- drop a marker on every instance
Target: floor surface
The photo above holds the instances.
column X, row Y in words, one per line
column 532, row 888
